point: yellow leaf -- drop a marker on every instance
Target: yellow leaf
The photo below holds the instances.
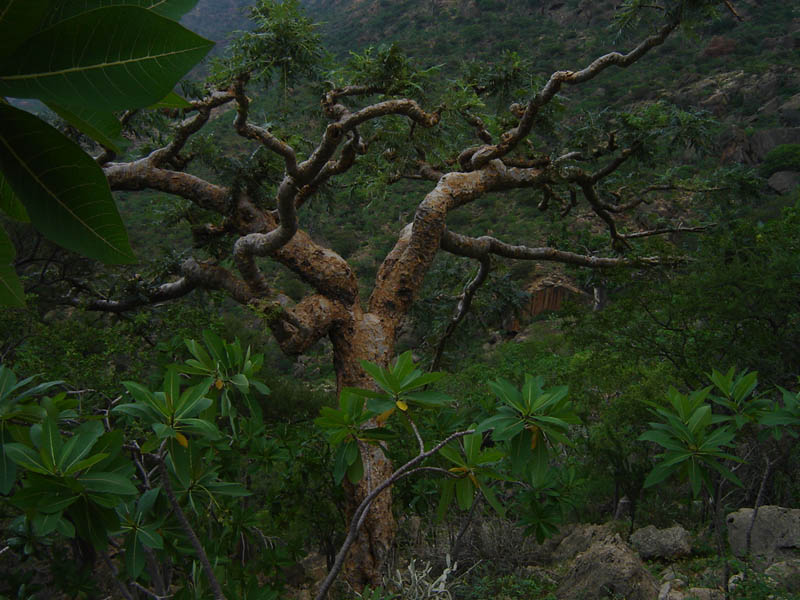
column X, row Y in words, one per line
column 182, row 440
column 218, row 384
column 401, row 404
column 534, row 436
column 383, row 417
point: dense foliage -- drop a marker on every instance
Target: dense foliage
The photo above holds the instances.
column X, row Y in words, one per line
column 213, row 469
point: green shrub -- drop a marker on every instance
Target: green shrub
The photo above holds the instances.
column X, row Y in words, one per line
column 785, row 157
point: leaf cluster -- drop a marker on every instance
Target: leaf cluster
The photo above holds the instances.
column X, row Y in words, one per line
column 84, row 61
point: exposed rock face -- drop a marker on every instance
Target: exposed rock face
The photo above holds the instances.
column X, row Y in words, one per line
column 720, row 46
column 609, row 568
column 650, row 542
column 753, row 149
column 776, row 532
column 790, row 111
column 722, row 92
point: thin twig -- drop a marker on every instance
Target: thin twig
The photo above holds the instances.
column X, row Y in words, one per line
column 187, row 528
column 123, row 590
column 361, row 512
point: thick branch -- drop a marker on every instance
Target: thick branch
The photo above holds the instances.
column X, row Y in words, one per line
column 296, row 329
column 402, row 272
column 143, row 174
column 248, row 247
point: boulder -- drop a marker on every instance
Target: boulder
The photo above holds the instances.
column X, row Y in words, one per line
column 609, row 568
column 784, row 182
column 776, row 532
column 786, row 574
column 697, row 593
column 650, row 542
column 790, row 111
column 581, row 539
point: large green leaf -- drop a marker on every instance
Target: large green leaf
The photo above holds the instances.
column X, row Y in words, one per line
column 109, row 58
column 64, row 192
column 51, row 443
column 465, row 492
column 18, row 20
column 172, row 9
column 26, row 458
column 8, row 469
column 171, row 100
column 134, row 555
column 11, row 292
column 100, row 125
column 75, row 451
column 10, row 204
column 45, row 497
column 108, row 483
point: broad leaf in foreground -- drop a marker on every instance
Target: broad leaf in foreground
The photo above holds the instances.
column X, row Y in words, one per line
column 172, row 9
column 105, row 59
column 64, row 192
column 18, row 19
column 11, row 293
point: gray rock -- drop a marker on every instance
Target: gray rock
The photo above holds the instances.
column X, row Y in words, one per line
column 580, row 539
column 776, row 532
column 790, row 110
column 650, row 542
column 608, row 568
column 784, row 182
column 786, row 574
column 753, row 149
column 670, row 590
column 705, row 594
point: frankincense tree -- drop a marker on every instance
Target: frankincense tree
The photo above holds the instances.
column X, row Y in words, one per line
column 510, row 151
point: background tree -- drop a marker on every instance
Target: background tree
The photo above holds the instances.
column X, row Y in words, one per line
column 377, row 123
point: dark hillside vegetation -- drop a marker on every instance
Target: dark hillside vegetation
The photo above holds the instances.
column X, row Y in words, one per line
column 242, row 402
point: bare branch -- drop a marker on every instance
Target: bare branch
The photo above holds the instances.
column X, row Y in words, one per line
column 259, row 134
column 641, row 234
column 480, row 127
column 188, row 127
column 358, row 517
column 164, row 292
column 187, row 529
column 484, row 246
column 512, row 137
column 464, row 303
